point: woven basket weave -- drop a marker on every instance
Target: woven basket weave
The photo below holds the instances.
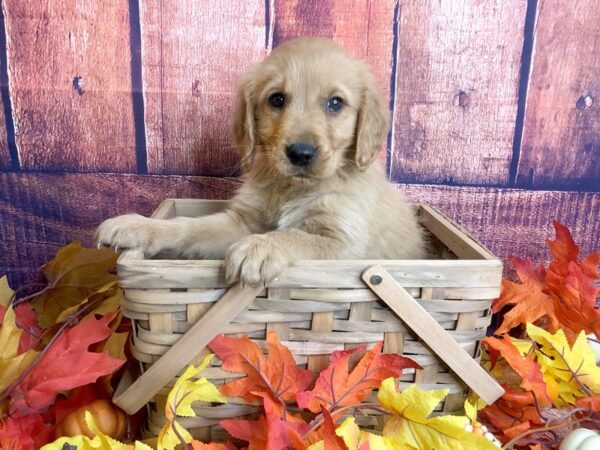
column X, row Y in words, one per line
column 316, row 307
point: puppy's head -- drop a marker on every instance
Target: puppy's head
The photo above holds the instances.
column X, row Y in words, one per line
column 309, row 111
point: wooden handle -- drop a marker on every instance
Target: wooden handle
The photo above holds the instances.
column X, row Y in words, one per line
column 234, row 301
column 432, row 333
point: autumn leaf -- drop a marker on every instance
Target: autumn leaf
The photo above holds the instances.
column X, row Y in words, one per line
column 12, row 363
column 410, row 427
column 337, row 387
column 530, row 302
column 73, row 274
column 255, row 432
column 561, row 297
column 572, row 368
column 529, row 370
column 179, row 403
column 270, row 431
column 24, row 433
column 277, row 375
column 6, row 293
column 66, row 364
column 99, row 442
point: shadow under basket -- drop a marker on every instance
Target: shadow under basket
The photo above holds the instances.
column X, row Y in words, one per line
column 433, row 311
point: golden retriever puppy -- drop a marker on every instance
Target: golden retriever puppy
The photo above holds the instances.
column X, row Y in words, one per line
column 310, row 123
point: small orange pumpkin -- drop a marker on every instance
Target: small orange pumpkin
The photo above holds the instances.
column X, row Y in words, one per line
column 109, row 419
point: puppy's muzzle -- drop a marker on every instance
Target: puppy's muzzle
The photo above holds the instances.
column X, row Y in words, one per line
column 300, row 154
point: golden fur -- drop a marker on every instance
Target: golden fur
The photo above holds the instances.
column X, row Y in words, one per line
column 340, row 206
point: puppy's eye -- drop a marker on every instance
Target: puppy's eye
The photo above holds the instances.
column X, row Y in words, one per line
column 334, row 105
column 277, row 100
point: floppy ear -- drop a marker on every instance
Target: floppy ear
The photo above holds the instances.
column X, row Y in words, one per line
column 373, row 124
column 243, row 124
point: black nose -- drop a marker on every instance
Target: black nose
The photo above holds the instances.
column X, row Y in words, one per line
column 300, row 154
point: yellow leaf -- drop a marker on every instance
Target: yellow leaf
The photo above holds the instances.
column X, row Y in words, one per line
column 409, row 426
column 11, row 364
column 354, row 437
column 99, row 442
column 472, row 405
column 73, row 274
column 6, row 293
column 179, row 403
column 572, row 371
column 110, row 296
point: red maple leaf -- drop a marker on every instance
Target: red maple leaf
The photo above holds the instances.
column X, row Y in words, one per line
column 337, row 387
column 24, row 432
column 276, row 375
column 66, row 364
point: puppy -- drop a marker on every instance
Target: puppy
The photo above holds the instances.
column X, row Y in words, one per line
column 310, row 123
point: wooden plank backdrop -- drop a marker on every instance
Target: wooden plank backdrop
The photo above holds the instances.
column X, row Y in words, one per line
column 456, row 90
column 70, row 84
column 364, row 27
column 192, row 56
column 451, row 70
column 561, row 135
column 38, row 212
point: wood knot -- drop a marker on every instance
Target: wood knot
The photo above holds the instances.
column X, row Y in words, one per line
column 196, row 88
column 78, row 84
column 462, row 99
column 584, row 102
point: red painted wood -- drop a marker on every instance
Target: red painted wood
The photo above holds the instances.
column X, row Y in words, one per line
column 561, row 134
column 456, row 90
column 70, row 84
column 363, row 27
column 513, row 221
column 193, row 54
column 41, row 211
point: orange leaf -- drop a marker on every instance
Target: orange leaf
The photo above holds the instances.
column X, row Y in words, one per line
column 331, row 440
column 336, row 387
column 269, row 431
column 592, row 403
column 530, row 300
column 564, row 296
column 529, row 370
column 277, row 375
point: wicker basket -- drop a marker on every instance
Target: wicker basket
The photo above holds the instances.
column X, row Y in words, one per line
column 317, row 307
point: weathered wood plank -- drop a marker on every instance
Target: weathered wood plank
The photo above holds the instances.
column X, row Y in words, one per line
column 561, row 133
column 456, row 90
column 363, row 27
column 5, row 156
column 41, row 211
column 515, row 222
column 70, row 84
column 193, row 54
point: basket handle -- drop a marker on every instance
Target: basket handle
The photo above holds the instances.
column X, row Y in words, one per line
column 134, row 396
column 431, row 332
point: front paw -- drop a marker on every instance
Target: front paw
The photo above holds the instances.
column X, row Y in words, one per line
column 130, row 231
column 255, row 260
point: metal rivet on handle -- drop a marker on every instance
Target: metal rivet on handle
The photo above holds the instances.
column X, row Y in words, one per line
column 376, row 279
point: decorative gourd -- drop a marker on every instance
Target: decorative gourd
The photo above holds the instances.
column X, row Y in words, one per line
column 109, row 419
column 581, row 439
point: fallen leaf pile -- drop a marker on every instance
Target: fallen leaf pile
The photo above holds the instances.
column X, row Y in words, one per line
column 547, row 365
column 60, row 347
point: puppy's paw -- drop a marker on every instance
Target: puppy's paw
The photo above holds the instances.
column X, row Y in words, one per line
column 130, row 231
column 255, row 261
